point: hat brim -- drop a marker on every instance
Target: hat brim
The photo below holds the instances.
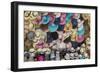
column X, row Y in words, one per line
column 52, row 28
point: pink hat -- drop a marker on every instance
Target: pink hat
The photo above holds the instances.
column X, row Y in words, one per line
column 80, row 38
column 63, row 19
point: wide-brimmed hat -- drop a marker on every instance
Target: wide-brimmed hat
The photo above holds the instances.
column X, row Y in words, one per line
column 74, row 22
column 33, row 15
column 45, row 19
column 31, row 50
column 57, row 14
column 80, row 38
column 52, row 27
column 27, row 15
column 81, row 31
column 68, row 27
column 63, row 19
column 86, row 16
column 76, row 15
column 52, row 18
column 30, row 35
column 38, row 32
column 68, row 17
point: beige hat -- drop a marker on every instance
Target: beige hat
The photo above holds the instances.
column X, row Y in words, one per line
column 33, row 15
column 88, row 40
column 38, row 32
column 57, row 14
column 40, row 50
column 31, row 50
column 45, row 13
column 27, row 15
column 86, row 16
column 48, row 50
column 30, row 26
column 83, row 45
column 82, row 50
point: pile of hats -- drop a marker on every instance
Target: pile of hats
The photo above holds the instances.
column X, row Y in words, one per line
column 56, row 36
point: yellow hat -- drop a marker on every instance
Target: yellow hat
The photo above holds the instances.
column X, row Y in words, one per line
column 74, row 34
column 68, row 27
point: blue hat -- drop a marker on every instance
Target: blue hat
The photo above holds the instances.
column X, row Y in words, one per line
column 80, row 28
column 52, row 27
column 45, row 19
column 30, row 35
column 60, row 27
column 81, row 32
column 68, row 17
column 57, row 21
column 74, row 22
